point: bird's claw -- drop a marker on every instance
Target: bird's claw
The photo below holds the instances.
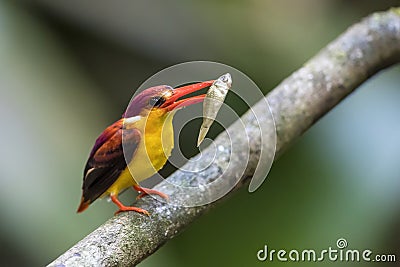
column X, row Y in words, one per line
column 146, row 191
column 139, row 210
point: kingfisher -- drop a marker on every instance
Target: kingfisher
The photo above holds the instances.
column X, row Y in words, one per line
column 136, row 146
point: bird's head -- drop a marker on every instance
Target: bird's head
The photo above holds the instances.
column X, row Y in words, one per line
column 164, row 98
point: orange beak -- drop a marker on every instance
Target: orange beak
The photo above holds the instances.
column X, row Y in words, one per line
column 173, row 102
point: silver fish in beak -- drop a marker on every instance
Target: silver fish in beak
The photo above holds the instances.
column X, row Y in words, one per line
column 212, row 103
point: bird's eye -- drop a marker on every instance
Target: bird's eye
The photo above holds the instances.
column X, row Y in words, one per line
column 156, row 101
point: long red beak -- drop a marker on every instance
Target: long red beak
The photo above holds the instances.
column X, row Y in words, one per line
column 173, row 102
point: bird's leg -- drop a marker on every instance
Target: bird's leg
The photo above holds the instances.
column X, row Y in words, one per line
column 147, row 191
column 123, row 208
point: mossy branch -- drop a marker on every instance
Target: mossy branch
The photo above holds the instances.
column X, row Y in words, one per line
column 298, row 102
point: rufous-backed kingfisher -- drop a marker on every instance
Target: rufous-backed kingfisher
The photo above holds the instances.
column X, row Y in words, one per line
column 147, row 133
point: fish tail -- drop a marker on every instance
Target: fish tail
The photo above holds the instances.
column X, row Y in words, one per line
column 202, row 133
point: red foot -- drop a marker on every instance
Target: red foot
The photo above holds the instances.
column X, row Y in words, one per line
column 123, row 208
column 148, row 191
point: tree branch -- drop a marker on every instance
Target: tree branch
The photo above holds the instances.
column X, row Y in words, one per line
column 298, row 102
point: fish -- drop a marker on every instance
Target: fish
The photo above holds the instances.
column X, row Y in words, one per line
column 213, row 102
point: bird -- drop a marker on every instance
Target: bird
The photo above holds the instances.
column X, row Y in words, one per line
column 136, row 146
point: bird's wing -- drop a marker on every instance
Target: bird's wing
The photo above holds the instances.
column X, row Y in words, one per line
column 107, row 161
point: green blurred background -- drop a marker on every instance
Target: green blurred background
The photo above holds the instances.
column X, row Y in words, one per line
column 69, row 68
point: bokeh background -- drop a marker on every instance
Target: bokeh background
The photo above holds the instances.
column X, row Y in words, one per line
column 69, row 68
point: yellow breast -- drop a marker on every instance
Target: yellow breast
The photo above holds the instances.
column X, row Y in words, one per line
column 153, row 150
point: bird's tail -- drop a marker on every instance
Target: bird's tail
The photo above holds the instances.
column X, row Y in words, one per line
column 83, row 205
